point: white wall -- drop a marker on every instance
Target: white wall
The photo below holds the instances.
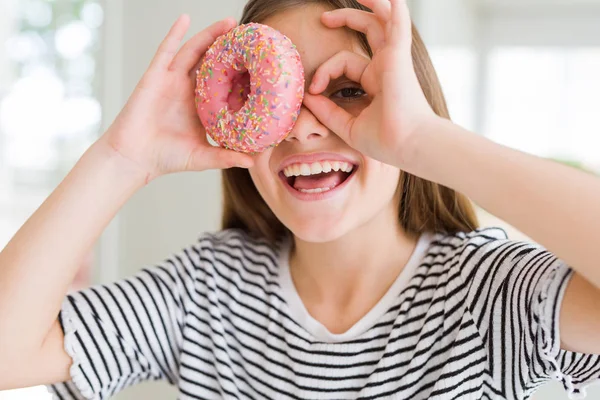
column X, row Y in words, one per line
column 7, row 11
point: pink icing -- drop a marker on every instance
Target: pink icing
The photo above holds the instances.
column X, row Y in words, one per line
column 250, row 88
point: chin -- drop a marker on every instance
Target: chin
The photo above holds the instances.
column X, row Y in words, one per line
column 319, row 229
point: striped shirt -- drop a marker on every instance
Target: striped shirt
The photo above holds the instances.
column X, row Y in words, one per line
column 471, row 316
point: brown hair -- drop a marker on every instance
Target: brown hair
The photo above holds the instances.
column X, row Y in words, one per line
column 424, row 206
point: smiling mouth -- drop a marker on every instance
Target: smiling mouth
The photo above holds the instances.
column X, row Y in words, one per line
column 317, row 177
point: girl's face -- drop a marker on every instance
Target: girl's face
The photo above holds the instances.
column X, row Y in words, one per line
column 321, row 206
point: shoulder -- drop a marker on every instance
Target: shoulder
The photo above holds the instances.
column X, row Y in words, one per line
column 228, row 237
column 459, row 248
column 473, row 253
column 459, row 242
column 468, row 247
column 236, row 243
column 234, row 249
column 488, row 254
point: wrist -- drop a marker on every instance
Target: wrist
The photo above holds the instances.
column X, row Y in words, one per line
column 109, row 154
column 414, row 148
column 445, row 153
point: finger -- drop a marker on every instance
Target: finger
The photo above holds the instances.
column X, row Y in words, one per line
column 381, row 8
column 193, row 50
column 344, row 63
column 361, row 21
column 218, row 158
column 401, row 23
column 168, row 47
column 334, row 117
column 193, row 72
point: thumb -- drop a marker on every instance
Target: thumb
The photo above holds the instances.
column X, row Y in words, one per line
column 218, row 158
column 334, row 117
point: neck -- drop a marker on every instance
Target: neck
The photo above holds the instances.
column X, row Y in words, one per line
column 352, row 272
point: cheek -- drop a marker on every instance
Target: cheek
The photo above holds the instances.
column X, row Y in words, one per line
column 259, row 177
column 261, row 174
column 381, row 179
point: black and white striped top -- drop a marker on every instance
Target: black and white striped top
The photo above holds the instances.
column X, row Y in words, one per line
column 472, row 316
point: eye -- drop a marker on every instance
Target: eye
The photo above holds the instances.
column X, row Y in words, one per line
column 349, row 93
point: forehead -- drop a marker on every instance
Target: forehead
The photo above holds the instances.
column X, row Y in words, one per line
column 315, row 42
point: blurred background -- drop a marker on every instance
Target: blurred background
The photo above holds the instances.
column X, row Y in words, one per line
column 525, row 73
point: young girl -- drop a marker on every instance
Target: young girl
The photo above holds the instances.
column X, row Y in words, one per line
column 373, row 283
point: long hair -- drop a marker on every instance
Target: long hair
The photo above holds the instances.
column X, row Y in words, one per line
column 423, row 206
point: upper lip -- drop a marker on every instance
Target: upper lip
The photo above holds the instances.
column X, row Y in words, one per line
column 312, row 158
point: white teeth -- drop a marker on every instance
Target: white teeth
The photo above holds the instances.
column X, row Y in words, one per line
column 317, row 168
column 317, row 190
column 305, row 170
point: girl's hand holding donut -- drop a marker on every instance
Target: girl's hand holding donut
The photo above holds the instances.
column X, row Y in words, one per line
column 386, row 128
column 158, row 130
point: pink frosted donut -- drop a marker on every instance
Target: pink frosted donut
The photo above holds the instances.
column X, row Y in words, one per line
column 249, row 89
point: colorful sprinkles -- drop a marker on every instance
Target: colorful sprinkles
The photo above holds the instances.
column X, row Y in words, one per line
column 274, row 96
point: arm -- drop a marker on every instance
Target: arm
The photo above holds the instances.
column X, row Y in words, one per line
column 158, row 132
column 555, row 205
column 40, row 262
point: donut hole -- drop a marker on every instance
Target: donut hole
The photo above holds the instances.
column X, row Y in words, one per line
column 240, row 90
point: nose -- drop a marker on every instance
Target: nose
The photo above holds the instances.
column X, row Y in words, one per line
column 307, row 128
